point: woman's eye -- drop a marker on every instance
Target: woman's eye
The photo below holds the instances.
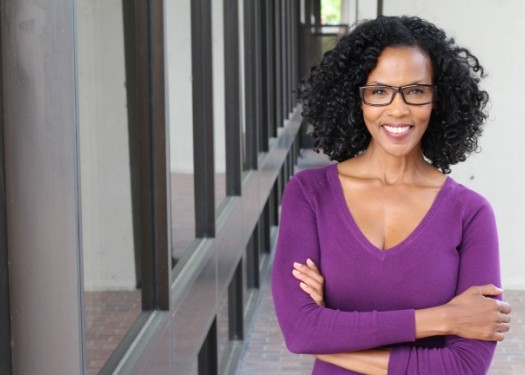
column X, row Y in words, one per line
column 378, row 92
column 415, row 91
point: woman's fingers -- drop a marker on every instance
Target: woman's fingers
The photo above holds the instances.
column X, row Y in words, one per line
column 504, row 307
column 308, row 280
column 310, row 269
column 486, row 290
column 312, row 282
column 316, row 297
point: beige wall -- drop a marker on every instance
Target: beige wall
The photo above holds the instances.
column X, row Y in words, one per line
column 107, row 227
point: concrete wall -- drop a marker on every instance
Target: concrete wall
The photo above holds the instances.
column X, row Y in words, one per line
column 492, row 30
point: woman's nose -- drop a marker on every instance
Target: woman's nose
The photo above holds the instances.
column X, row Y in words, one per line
column 398, row 106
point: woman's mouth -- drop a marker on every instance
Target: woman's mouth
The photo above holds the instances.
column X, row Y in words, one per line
column 396, row 129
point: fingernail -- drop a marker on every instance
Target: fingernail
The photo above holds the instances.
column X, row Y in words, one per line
column 309, row 262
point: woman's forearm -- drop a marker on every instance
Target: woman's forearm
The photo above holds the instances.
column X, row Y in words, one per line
column 474, row 314
column 370, row 362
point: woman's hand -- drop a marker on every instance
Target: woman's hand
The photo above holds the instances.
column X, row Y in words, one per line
column 312, row 282
column 474, row 314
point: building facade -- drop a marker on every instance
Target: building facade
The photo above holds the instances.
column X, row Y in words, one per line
column 145, row 147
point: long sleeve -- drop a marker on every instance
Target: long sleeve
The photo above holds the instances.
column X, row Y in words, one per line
column 371, row 295
column 307, row 327
column 479, row 264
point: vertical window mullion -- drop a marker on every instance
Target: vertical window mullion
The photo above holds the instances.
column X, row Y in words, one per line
column 252, row 260
column 203, row 118
column 284, row 56
column 250, row 83
column 278, row 62
column 150, row 123
column 289, row 49
column 232, row 98
column 270, row 68
column 262, row 76
column 236, row 306
column 159, row 155
column 295, row 49
column 207, row 357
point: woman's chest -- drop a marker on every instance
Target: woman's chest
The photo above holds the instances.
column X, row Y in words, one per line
column 420, row 273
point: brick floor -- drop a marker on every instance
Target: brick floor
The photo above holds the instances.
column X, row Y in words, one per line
column 108, row 316
column 266, row 354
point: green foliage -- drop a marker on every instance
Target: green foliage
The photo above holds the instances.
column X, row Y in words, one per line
column 331, row 11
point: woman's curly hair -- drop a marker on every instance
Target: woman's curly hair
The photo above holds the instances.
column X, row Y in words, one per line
column 331, row 100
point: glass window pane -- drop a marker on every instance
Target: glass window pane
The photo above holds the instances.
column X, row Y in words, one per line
column 112, row 298
column 180, row 107
column 219, row 127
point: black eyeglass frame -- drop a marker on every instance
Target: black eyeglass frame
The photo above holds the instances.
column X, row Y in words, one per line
column 397, row 89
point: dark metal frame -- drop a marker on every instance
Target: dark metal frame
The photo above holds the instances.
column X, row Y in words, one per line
column 279, row 113
column 236, row 305
column 203, row 155
column 207, row 358
column 232, row 98
column 271, row 120
column 145, row 79
column 250, row 83
column 150, row 121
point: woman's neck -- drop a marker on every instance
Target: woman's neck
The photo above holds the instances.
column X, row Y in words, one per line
column 392, row 169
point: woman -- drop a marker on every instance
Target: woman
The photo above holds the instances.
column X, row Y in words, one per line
column 408, row 257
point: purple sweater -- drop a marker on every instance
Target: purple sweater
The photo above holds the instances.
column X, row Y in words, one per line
column 371, row 294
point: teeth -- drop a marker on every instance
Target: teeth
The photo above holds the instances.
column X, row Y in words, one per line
column 397, row 129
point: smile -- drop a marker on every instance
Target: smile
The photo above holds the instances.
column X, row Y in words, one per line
column 396, row 129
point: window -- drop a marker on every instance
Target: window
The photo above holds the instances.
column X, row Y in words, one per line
column 111, row 261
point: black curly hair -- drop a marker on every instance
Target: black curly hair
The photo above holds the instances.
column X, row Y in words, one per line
column 331, row 101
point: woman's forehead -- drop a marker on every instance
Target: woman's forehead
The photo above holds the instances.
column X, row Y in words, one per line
column 400, row 66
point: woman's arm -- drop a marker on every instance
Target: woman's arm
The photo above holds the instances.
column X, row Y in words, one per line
column 470, row 315
column 473, row 314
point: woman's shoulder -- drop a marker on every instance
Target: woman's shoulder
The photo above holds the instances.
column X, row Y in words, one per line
column 315, row 177
column 466, row 197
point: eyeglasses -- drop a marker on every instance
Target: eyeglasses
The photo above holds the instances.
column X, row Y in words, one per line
column 381, row 95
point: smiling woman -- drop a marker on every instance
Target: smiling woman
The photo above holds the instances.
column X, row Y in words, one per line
column 396, row 126
column 384, row 263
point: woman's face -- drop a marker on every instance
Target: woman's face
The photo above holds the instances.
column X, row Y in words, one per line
column 398, row 127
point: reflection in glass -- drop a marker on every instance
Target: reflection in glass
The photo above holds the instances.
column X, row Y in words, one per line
column 112, row 299
column 219, row 129
column 180, row 104
column 222, row 329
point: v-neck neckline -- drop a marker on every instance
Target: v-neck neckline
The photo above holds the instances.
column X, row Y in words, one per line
column 345, row 212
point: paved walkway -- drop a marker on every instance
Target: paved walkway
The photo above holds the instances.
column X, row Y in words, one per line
column 266, row 354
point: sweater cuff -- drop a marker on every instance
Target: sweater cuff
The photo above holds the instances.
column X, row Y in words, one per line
column 398, row 360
